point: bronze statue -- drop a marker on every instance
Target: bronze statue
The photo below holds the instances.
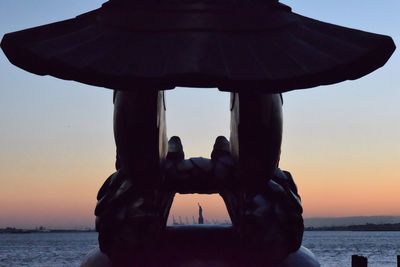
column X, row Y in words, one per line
column 254, row 49
column 201, row 219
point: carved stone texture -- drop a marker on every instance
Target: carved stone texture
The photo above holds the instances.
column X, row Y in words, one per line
column 200, row 175
column 272, row 225
column 140, row 136
column 262, row 201
column 130, row 213
column 237, row 46
column 267, row 225
column 128, row 221
column 256, row 137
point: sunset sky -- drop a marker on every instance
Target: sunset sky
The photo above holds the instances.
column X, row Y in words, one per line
column 341, row 142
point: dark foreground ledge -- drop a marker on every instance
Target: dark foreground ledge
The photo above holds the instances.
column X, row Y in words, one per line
column 203, row 246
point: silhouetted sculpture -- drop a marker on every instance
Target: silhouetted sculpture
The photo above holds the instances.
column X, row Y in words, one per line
column 157, row 45
column 254, row 49
column 201, row 219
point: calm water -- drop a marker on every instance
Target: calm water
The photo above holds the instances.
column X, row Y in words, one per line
column 333, row 249
column 45, row 249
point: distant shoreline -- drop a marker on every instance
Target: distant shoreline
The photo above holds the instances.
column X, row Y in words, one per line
column 369, row 227
column 10, row 230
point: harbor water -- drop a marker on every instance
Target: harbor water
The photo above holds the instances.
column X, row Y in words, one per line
column 333, row 249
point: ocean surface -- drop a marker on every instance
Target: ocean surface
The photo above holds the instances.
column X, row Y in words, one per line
column 333, row 249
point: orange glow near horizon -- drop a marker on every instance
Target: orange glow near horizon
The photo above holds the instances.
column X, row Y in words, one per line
column 54, row 184
column 68, row 201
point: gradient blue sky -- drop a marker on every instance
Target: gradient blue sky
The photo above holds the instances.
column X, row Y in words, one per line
column 341, row 142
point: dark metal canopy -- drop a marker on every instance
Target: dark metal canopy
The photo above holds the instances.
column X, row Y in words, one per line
column 230, row 44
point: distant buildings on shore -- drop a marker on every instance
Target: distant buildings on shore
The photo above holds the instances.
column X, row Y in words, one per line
column 212, row 222
column 41, row 229
column 180, row 222
column 200, row 220
column 352, row 228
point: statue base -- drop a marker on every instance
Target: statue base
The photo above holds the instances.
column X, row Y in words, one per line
column 203, row 246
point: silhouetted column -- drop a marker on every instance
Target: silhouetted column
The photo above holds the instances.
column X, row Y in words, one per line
column 359, row 261
column 398, row 260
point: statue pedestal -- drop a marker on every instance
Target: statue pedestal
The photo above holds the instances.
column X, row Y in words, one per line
column 203, row 246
